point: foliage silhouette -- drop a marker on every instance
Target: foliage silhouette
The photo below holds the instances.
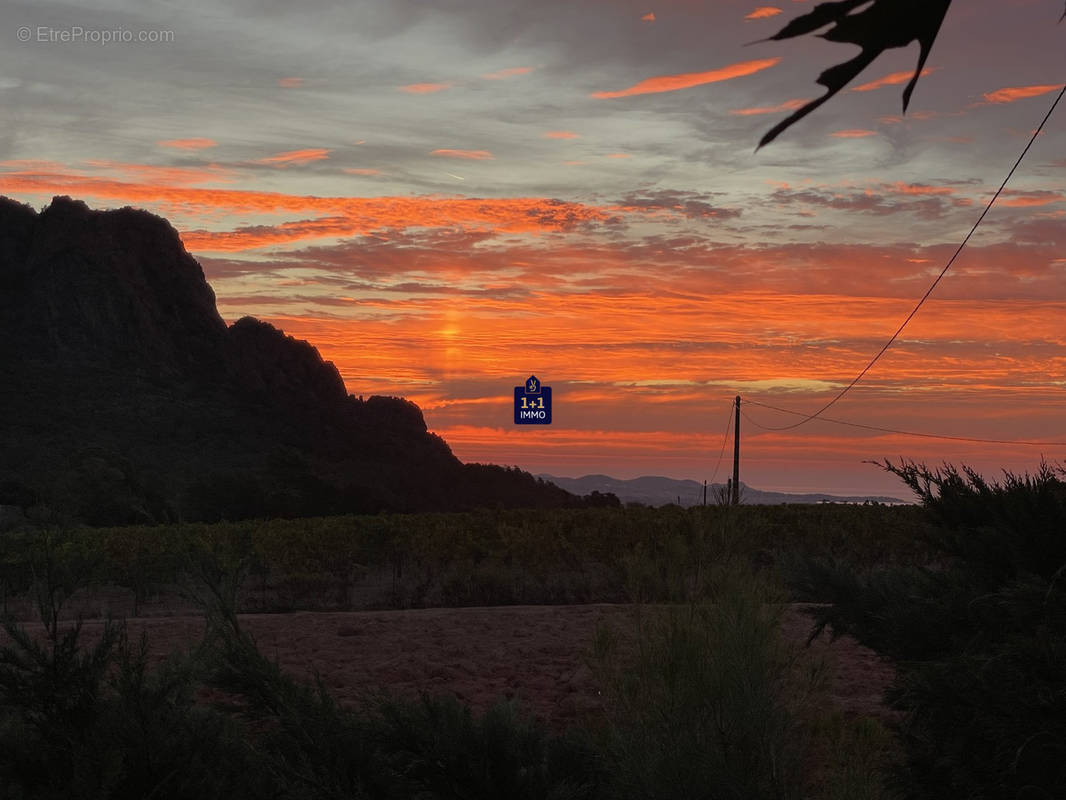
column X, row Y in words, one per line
column 978, row 637
column 883, row 25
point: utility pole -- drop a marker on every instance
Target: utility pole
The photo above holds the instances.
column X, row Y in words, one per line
column 705, row 491
column 735, row 499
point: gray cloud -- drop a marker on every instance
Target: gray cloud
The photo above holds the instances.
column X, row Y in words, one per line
column 688, row 204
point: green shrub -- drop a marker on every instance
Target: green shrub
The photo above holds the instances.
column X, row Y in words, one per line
column 451, row 753
column 96, row 722
column 996, row 530
column 859, row 750
column 979, row 641
column 713, row 704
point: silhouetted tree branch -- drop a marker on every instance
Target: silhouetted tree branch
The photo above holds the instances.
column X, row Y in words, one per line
column 882, row 25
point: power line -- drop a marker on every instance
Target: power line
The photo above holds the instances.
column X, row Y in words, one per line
column 808, row 417
column 891, row 430
column 725, row 440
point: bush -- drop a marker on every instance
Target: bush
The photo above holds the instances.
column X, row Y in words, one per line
column 713, row 704
column 996, row 531
column 451, row 753
column 979, row 640
column 96, row 722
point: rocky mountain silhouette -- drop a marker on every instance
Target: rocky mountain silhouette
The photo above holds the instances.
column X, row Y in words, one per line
column 114, row 288
column 125, row 397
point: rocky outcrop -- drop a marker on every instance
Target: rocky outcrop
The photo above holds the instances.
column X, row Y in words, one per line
column 112, row 349
column 266, row 364
column 115, row 288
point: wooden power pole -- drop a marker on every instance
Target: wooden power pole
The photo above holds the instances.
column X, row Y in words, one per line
column 735, row 499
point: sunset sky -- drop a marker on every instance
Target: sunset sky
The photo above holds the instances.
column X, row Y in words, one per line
column 447, row 196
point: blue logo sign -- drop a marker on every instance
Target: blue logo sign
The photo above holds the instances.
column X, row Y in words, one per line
column 533, row 403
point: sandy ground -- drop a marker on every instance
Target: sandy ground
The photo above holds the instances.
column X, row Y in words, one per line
column 536, row 653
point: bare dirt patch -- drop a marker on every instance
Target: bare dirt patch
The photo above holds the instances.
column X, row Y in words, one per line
column 533, row 653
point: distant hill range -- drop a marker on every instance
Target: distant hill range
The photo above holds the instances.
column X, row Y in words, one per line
column 125, row 397
column 657, row 491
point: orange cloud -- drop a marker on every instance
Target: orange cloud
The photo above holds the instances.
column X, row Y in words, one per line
column 894, row 79
column 649, row 17
column 788, row 105
column 473, row 155
column 805, row 330
column 1015, row 198
column 895, row 119
column 510, row 72
column 433, row 317
column 1012, row 94
column 361, row 171
column 425, row 88
column 323, row 217
column 619, row 155
column 290, row 83
column 353, row 214
column 631, row 391
column 561, row 135
column 672, row 83
column 791, row 323
column 763, row 12
column 357, row 216
column 290, row 157
column 919, row 188
column 196, row 143
column 854, row 133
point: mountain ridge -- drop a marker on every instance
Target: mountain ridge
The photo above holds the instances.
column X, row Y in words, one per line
column 660, row 490
column 125, row 397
